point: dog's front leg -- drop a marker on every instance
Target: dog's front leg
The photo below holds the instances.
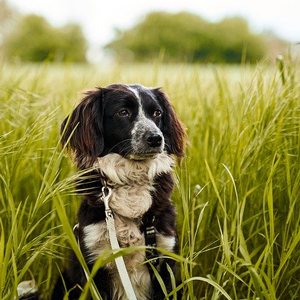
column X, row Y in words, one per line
column 157, row 292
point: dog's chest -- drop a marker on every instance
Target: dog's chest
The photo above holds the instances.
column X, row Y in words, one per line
column 132, row 184
column 128, row 203
column 96, row 239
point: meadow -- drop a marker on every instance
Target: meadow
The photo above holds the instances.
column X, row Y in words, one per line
column 237, row 193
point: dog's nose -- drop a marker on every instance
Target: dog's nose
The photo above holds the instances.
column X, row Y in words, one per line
column 153, row 139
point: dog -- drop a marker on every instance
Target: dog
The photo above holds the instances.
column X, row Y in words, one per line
column 128, row 136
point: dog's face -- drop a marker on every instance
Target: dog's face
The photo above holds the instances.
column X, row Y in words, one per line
column 131, row 120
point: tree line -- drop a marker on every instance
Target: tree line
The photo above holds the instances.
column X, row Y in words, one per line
column 34, row 39
column 188, row 37
column 182, row 37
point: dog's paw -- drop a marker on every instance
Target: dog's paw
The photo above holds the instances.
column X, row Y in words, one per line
column 28, row 290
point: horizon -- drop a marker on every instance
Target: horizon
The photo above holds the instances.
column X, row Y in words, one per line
column 100, row 20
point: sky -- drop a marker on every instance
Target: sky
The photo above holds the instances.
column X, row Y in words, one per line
column 99, row 18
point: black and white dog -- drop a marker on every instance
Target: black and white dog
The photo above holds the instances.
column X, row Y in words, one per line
column 128, row 135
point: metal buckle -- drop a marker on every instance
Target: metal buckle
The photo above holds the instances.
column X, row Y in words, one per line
column 105, row 197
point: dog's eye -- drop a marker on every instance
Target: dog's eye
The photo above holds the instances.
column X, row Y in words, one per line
column 123, row 113
column 157, row 113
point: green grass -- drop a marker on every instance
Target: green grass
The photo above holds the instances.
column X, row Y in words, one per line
column 237, row 194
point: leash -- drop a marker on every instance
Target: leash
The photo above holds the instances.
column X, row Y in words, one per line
column 148, row 228
column 110, row 223
column 150, row 241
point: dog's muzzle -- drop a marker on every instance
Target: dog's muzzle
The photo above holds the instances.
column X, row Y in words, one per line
column 147, row 139
column 154, row 140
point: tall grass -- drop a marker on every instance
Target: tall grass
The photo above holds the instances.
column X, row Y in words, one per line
column 237, row 192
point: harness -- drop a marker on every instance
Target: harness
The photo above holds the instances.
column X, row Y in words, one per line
column 150, row 241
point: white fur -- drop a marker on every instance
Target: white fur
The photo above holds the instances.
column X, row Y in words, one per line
column 26, row 288
column 142, row 125
column 165, row 242
column 96, row 240
column 120, row 170
column 132, row 183
column 136, row 93
column 128, row 234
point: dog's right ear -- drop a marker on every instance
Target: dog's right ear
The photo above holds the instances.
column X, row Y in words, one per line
column 82, row 130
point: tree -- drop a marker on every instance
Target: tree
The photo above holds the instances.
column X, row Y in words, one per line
column 185, row 36
column 73, row 43
column 233, row 36
column 8, row 18
column 34, row 39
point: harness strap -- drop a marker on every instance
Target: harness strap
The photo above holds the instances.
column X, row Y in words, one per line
column 110, row 222
column 115, row 245
column 150, row 241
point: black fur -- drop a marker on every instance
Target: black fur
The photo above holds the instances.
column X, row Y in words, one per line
column 98, row 126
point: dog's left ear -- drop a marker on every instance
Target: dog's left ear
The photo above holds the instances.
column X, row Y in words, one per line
column 172, row 129
column 82, row 130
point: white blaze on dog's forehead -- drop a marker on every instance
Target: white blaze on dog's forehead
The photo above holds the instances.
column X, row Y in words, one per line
column 141, row 119
column 136, row 93
column 142, row 123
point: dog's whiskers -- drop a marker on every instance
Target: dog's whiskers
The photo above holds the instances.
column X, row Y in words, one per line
column 112, row 148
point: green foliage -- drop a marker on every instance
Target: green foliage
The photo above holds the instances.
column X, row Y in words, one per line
column 187, row 37
column 238, row 188
column 34, row 39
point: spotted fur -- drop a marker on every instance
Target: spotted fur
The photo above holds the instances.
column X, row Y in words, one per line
column 127, row 134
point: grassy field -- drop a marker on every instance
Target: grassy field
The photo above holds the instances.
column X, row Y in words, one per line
column 237, row 194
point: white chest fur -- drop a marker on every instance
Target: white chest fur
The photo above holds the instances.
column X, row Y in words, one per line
column 132, row 183
column 96, row 241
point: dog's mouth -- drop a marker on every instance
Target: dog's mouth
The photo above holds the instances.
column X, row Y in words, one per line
column 144, row 155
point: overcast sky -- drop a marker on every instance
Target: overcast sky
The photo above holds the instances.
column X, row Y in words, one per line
column 98, row 18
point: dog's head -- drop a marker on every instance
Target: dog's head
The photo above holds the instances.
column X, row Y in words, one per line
column 131, row 120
